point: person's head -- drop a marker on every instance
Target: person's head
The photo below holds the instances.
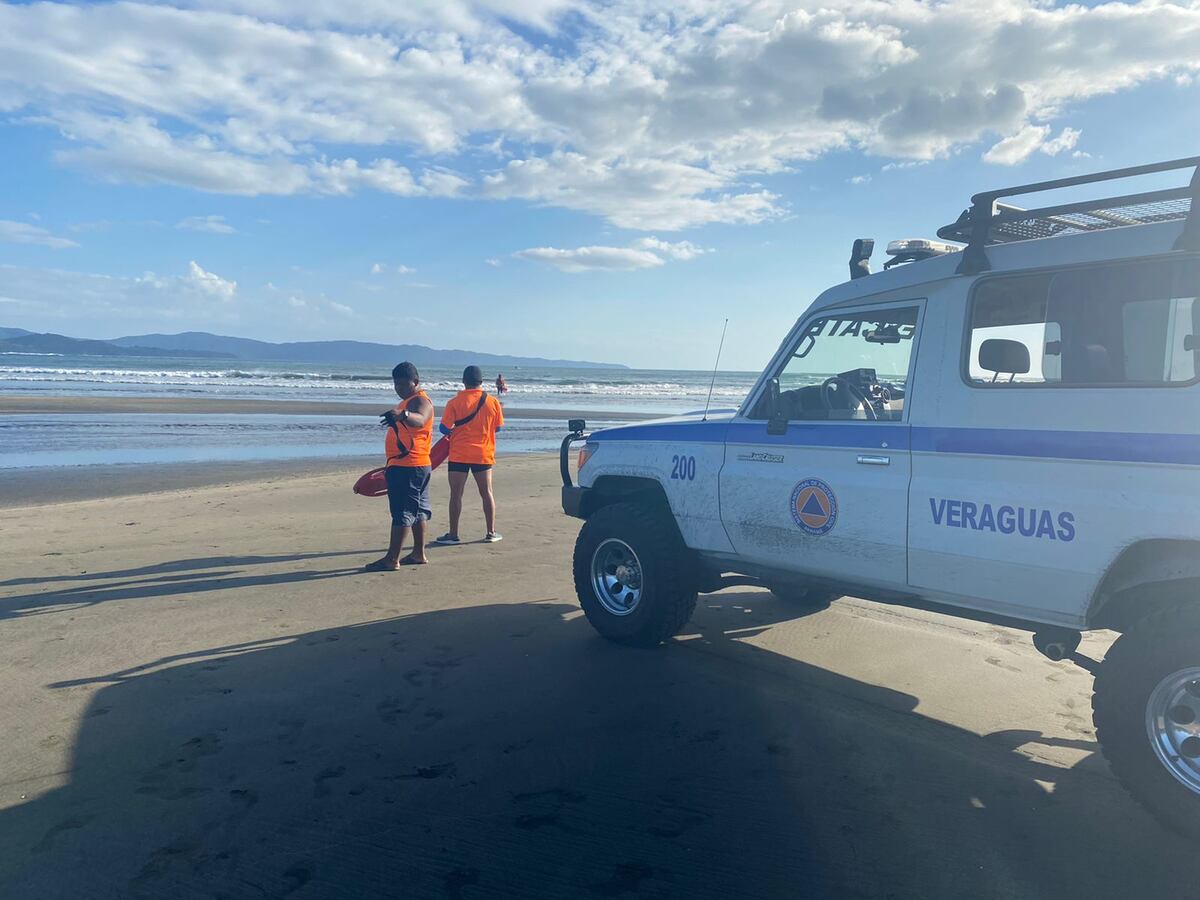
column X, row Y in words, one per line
column 405, row 379
column 472, row 376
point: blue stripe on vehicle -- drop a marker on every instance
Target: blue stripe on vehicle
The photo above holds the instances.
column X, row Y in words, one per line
column 1102, row 446
column 799, row 434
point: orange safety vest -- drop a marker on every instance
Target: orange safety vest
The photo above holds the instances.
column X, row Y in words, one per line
column 474, row 441
column 415, row 451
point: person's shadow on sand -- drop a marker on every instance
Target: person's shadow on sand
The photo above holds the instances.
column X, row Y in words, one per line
column 506, row 751
column 176, row 578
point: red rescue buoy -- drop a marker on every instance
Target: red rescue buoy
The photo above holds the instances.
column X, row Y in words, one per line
column 373, row 484
column 438, row 452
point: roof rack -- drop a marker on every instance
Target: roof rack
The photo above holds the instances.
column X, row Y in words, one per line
column 989, row 222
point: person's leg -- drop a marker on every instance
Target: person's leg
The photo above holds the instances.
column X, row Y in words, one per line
column 419, row 514
column 399, row 532
column 458, row 481
column 418, row 550
column 483, row 480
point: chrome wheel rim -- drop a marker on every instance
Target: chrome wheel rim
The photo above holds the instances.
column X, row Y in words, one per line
column 617, row 577
column 1173, row 725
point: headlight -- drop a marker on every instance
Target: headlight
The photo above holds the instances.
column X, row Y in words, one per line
column 585, row 453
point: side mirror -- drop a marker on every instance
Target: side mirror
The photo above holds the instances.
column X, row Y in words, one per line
column 777, row 421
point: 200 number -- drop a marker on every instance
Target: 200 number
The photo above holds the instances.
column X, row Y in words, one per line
column 683, row 468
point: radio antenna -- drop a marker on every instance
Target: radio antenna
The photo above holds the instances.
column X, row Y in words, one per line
column 713, row 383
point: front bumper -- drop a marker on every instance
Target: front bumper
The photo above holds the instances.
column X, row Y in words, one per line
column 572, row 500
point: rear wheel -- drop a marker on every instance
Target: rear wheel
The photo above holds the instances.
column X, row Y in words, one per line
column 1146, row 708
column 629, row 575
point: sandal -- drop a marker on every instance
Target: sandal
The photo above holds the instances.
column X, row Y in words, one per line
column 380, row 566
column 411, row 561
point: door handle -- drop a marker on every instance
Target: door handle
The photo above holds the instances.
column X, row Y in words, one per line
column 874, row 460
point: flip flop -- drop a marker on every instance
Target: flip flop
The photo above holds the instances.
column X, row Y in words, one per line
column 380, row 566
column 409, row 561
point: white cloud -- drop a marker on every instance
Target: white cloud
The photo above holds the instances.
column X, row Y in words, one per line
column 1066, row 140
column 654, row 115
column 1019, row 147
column 645, row 253
column 209, row 283
column 493, row 262
column 381, row 268
column 591, row 259
column 859, row 180
column 681, row 251
column 211, row 224
column 377, row 269
column 405, row 270
column 24, row 233
column 91, row 304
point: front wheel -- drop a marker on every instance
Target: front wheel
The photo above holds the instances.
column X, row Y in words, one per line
column 629, row 577
column 1146, row 708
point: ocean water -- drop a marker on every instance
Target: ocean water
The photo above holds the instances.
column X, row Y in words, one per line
column 29, row 441
column 640, row 390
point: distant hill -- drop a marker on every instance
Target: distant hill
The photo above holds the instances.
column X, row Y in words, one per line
column 22, row 341
column 190, row 343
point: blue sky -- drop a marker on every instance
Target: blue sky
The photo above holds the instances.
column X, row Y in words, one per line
column 560, row 178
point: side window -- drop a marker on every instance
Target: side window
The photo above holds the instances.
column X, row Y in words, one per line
column 1112, row 325
column 850, row 366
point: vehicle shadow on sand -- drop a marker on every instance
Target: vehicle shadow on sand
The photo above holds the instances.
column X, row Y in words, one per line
column 506, row 751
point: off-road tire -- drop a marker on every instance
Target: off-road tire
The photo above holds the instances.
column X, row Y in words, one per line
column 668, row 594
column 1157, row 645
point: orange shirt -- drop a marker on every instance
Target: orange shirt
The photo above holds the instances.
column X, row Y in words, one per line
column 474, row 442
column 417, row 440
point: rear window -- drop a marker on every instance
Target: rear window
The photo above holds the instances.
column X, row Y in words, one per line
column 1112, row 325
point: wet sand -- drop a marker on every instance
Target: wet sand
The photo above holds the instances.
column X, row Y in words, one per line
column 206, row 696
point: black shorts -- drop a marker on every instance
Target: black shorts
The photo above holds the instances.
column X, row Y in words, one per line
column 408, row 494
column 469, row 467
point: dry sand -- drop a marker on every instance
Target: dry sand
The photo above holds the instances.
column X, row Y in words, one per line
column 204, row 696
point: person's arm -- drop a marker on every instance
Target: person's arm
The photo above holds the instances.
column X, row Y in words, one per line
column 419, row 413
column 448, row 420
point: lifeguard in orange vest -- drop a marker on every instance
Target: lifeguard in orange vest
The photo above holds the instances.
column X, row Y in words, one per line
column 407, row 443
column 471, row 419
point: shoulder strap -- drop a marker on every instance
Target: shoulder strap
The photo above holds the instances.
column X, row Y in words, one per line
column 401, row 450
column 478, row 406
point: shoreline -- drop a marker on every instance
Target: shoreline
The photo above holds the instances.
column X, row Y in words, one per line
column 25, row 404
column 51, row 485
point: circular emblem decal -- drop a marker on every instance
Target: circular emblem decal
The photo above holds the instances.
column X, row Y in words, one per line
column 814, row 507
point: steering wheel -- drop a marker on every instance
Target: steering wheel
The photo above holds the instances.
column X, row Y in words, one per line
column 840, row 383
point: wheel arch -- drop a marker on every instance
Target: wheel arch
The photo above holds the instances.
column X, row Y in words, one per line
column 1144, row 577
column 609, row 489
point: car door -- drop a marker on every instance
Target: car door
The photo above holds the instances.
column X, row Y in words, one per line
column 1045, row 462
column 827, row 495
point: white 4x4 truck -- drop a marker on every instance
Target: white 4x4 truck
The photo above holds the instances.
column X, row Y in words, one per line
column 1007, row 431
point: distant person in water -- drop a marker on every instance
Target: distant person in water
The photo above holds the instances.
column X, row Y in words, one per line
column 407, row 444
column 501, row 384
column 471, row 419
